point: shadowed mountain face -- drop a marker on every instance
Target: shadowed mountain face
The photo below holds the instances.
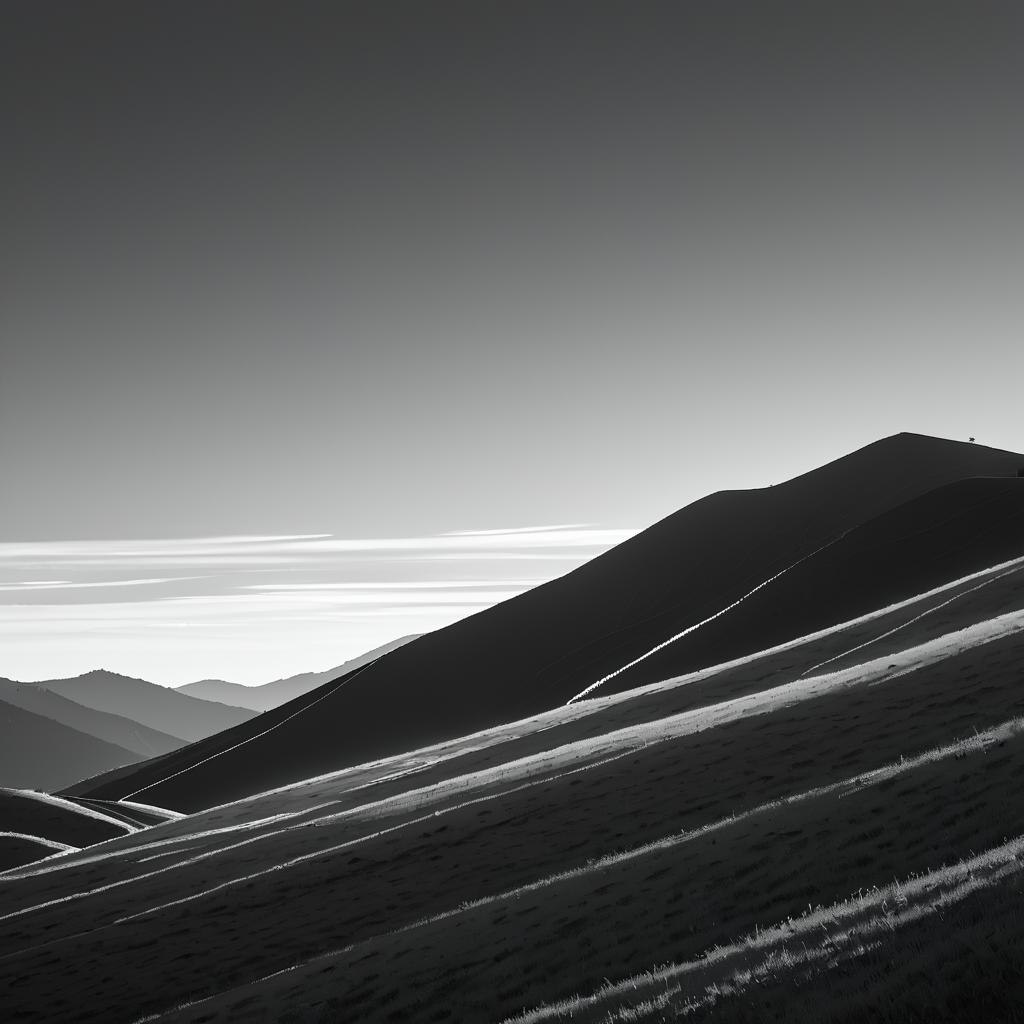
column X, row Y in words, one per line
column 157, row 707
column 540, row 649
column 39, row 753
column 116, row 729
column 280, row 691
column 945, row 534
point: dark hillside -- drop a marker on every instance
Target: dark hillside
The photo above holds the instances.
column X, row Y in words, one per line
column 541, row 648
column 946, row 534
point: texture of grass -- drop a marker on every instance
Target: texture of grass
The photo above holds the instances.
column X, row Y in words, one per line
column 440, row 893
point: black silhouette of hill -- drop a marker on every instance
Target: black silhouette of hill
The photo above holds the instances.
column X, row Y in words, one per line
column 280, row 691
column 39, row 753
column 116, row 729
column 157, row 707
column 942, row 535
column 539, row 649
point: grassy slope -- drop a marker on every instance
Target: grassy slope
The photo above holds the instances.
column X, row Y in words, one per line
column 539, row 649
column 35, row 815
column 17, row 850
column 942, row 535
column 609, row 919
column 967, row 967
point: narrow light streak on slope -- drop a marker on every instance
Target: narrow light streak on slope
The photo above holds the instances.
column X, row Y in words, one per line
column 402, row 773
column 495, row 735
column 909, row 622
column 51, row 844
column 623, row 742
column 125, row 852
column 165, row 812
column 347, row 844
column 554, row 717
column 241, row 743
column 70, row 805
column 166, row 853
column 236, row 881
column 703, row 622
column 860, row 916
column 450, row 749
column 1015, row 562
column 879, row 670
column 789, row 645
column 973, row 744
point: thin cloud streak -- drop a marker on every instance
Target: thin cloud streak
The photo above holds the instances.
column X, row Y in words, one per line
column 405, row 585
column 208, row 550
column 35, row 586
column 316, row 599
column 157, row 547
column 516, row 529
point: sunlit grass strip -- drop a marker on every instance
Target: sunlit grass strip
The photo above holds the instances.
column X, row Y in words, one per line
column 1011, row 565
column 977, row 743
column 50, row 844
column 821, row 937
column 82, row 810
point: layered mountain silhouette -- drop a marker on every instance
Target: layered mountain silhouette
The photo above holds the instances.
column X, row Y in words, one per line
column 116, row 729
column 40, row 753
column 157, row 707
column 47, row 757
column 280, row 691
column 898, row 516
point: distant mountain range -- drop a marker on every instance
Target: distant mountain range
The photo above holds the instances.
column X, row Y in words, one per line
column 40, row 753
column 125, row 733
column 157, row 707
column 280, row 691
column 61, row 731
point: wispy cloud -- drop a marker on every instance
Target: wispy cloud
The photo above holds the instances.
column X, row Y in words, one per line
column 42, row 552
column 36, row 585
column 255, row 607
column 398, row 586
column 518, row 529
column 236, row 550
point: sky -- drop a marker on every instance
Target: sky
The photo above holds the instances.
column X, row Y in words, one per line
column 363, row 279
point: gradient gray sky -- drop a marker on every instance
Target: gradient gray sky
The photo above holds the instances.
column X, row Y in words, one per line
column 381, row 271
